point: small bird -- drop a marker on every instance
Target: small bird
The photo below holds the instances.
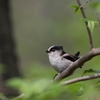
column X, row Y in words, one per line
column 59, row 59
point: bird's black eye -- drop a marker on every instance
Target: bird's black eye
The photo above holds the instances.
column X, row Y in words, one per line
column 53, row 50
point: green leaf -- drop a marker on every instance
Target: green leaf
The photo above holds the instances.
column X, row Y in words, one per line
column 90, row 71
column 98, row 82
column 84, row 19
column 80, row 92
column 91, row 24
column 73, row 6
column 77, row 9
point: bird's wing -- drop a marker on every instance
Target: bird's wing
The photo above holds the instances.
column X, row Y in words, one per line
column 70, row 57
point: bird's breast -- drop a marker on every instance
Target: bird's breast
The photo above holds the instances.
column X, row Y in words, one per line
column 59, row 64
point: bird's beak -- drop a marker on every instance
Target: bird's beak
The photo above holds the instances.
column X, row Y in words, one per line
column 47, row 51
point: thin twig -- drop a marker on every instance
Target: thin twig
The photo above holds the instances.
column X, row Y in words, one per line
column 85, row 3
column 86, row 23
column 84, row 78
column 98, row 19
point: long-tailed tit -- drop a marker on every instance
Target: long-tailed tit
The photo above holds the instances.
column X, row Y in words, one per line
column 59, row 59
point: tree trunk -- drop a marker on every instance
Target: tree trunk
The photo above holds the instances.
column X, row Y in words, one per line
column 8, row 55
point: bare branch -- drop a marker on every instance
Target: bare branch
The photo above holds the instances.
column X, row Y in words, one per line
column 84, row 78
column 79, row 63
column 86, row 23
column 85, row 3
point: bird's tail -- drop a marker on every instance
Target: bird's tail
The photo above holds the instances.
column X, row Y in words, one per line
column 77, row 54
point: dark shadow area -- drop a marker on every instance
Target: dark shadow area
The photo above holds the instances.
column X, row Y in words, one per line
column 8, row 56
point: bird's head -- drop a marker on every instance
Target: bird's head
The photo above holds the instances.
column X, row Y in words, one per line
column 55, row 50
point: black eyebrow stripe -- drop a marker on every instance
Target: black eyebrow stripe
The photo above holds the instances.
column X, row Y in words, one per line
column 55, row 47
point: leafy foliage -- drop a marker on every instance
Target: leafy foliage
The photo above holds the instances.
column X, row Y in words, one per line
column 77, row 9
column 43, row 89
column 91, row 23
column 90, row 71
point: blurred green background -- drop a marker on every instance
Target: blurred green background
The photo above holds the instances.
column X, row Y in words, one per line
column 38, row 24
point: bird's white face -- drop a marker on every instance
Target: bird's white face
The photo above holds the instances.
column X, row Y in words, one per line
column 55, row 53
